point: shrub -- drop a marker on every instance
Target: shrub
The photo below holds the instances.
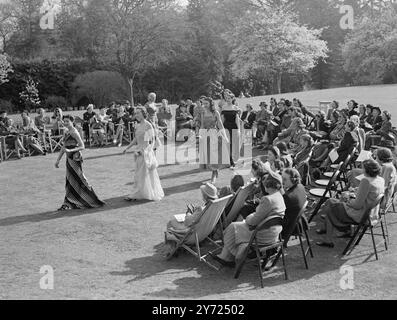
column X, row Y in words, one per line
column 53, row 102
column 7, row 105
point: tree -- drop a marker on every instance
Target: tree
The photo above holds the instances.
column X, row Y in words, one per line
column 370, row 50
column 272, row 43
column 8, row 23
column 100, row 87
column 30, row 95
column 5, row 69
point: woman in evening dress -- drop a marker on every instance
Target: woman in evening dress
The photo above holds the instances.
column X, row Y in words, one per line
column 79, row 194
column 147, row 181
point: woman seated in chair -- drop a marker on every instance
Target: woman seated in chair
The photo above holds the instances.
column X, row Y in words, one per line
column 348, row 143
column 285, row 157
column 12, row 137
column 57, row 122
column 236, row 183
column 294, row 197
column 341, row 214
column 238, row 234
column 176, row 230
column 273, row 156
column 301, row 159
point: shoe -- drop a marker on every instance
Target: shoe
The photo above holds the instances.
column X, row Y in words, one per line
column 114, row 141
column 230, row 264
column 128, row 199
column 325, row 244
column 119, row 145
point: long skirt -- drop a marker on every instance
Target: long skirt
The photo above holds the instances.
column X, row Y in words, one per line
column 336, row 212
column 238, row 235
column 147, row 183
column 213, row 150
column 79, row 194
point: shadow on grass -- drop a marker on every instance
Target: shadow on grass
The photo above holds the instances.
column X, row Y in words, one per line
column 205, row 281
column 111, row 204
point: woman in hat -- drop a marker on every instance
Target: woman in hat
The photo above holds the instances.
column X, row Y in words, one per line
column 341, row 214
column 177, row 230
column 238, row 234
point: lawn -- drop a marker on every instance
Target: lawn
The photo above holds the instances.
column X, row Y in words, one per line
column 116, row 252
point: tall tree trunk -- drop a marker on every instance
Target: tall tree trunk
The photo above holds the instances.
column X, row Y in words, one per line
column 279, row 83
column 131, row 84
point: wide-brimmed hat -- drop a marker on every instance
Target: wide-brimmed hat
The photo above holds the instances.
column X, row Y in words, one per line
column 209, row 190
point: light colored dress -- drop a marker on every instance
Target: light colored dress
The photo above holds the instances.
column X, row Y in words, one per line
column 213, row 149
column 147, row 183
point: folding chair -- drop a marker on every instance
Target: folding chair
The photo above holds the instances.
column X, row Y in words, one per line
column 348, row 161
column 362, row 228
column 201, row 231
column 301, row 231
column 7, row 153
column 342, row 177
column 54, row 141
column 383, row 212
column 324, row 194
column 262, row 250
column 238, row 204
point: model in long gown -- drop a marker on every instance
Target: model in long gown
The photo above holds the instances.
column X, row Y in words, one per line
column 230, row 119
column 147, row 183
column 79, row 194
column 212, row 143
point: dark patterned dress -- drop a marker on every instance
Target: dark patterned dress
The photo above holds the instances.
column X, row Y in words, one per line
column 79, row 194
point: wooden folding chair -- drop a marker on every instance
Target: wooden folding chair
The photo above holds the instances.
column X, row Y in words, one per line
column 201, row 231
column 55, row 142
column 7, row 153
column 362, row 228
column 261, row 251
column 301, row 231
column 342, row 179
column 240, row 198
column 324, row 194
column 383, row 212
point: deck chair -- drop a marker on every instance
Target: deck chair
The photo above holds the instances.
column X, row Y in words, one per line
column 324, row 194
column 261, row 250
column 201, row 231
column 301, row 231
column 241, row 197
column 362, row 228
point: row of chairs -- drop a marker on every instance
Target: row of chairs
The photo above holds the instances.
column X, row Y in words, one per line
column 214, row 218
column 334, row 186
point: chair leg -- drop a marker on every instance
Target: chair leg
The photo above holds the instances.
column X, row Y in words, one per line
column 284, row 264
column 383, row 233
column 373, row 242
column 361, row 235
column 386, row 228
column 240, row 264
column 276, row 258
column 308, row 243
column 351, row 242
column 317, row 209
column 258, row 258
column 303, row 252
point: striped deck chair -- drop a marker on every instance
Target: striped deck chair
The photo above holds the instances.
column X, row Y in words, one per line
column 238, row 204
column 191, row 240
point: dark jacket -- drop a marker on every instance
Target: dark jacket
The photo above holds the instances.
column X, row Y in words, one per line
column 348, row 143
column 250, row 120
column 294, row 199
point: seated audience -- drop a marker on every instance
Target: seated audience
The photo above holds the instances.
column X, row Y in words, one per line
column 235, row 184
column 57, row 122
column 238, row 234
column 87, row 116
column 340, row 214
column 273, row 156
column 294, row 199
column 176, row 230
column 41, row 120
column 248, row 117
column 12, row 137
column 285, row 157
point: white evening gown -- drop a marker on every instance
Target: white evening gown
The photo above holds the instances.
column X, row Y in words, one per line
column 147, row 183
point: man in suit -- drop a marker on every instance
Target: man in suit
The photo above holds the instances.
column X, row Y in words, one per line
column 248, row 117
